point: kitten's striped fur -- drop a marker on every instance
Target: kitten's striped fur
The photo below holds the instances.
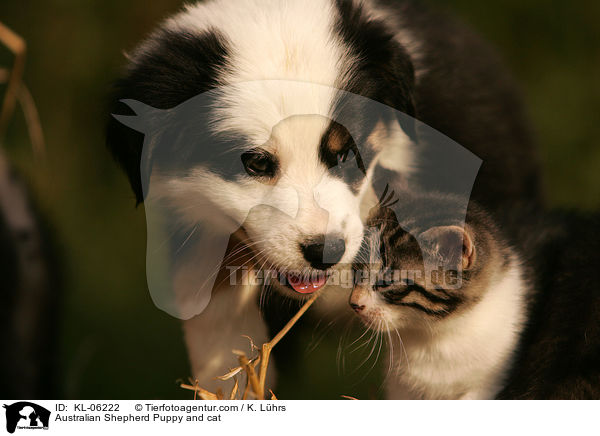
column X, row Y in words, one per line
column 451, row 339
column 522, row 323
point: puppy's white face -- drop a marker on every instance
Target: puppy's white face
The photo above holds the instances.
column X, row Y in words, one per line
column 302, row 218
column 293, row 180
column 276, row 70
column 308, row 204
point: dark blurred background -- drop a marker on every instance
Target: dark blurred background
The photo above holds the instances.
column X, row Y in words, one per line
column 113, row 342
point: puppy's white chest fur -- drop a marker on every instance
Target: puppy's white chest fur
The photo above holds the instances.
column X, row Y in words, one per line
column 467, row 356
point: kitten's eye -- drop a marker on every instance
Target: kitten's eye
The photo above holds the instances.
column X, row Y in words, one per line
column 394, row 295
column 381, row 284
column 258, row 163
column 384, row 281
column 411, row 286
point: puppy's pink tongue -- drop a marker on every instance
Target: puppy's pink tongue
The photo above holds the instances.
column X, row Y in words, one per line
column 306, row 285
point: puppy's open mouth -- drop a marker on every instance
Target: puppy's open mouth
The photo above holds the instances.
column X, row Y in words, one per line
column 306, row 284
column 300, row 281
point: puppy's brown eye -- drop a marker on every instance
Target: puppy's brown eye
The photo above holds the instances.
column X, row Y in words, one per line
column 258, row 163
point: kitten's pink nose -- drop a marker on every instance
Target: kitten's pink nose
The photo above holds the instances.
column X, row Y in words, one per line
column 357, row 299
column 357, row 308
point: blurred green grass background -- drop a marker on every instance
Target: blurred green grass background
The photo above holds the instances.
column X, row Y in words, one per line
column 115, row 343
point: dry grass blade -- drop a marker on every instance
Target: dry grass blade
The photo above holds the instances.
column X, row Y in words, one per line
column 17, row 91
column 266, row 349
column 252, row 377
column 234, row 391
column 32, row 119
column 230, row 374
column 202, row 393
column 246, row 389
column 17, row 45
column 252, row 346
column 255, row 383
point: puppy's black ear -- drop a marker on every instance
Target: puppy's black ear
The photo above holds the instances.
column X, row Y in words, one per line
column 384, row 71
column 130, row 121
column 127, row 136
column 451, row 246
column 126, row 146
column 170, row 70
column 401, row 82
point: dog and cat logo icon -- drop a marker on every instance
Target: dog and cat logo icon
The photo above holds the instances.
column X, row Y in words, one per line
column 26, row 415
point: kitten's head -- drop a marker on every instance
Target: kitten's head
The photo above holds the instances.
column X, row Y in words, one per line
column 426, row 266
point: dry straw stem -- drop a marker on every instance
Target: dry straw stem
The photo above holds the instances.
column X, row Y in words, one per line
column 16, row 44
column 255, row 384
column 17, row 91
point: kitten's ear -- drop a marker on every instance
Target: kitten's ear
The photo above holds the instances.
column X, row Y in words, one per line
column 452, row 244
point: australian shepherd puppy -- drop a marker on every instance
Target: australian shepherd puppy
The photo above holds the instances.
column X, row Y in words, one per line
column 281, row 70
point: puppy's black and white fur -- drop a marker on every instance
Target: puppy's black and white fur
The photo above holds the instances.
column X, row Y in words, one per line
column 416, row 61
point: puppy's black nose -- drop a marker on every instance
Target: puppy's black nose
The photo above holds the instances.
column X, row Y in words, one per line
column 323, row 252
column 357, row 308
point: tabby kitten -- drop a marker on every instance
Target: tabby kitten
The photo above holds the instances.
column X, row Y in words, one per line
column 471, row 315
